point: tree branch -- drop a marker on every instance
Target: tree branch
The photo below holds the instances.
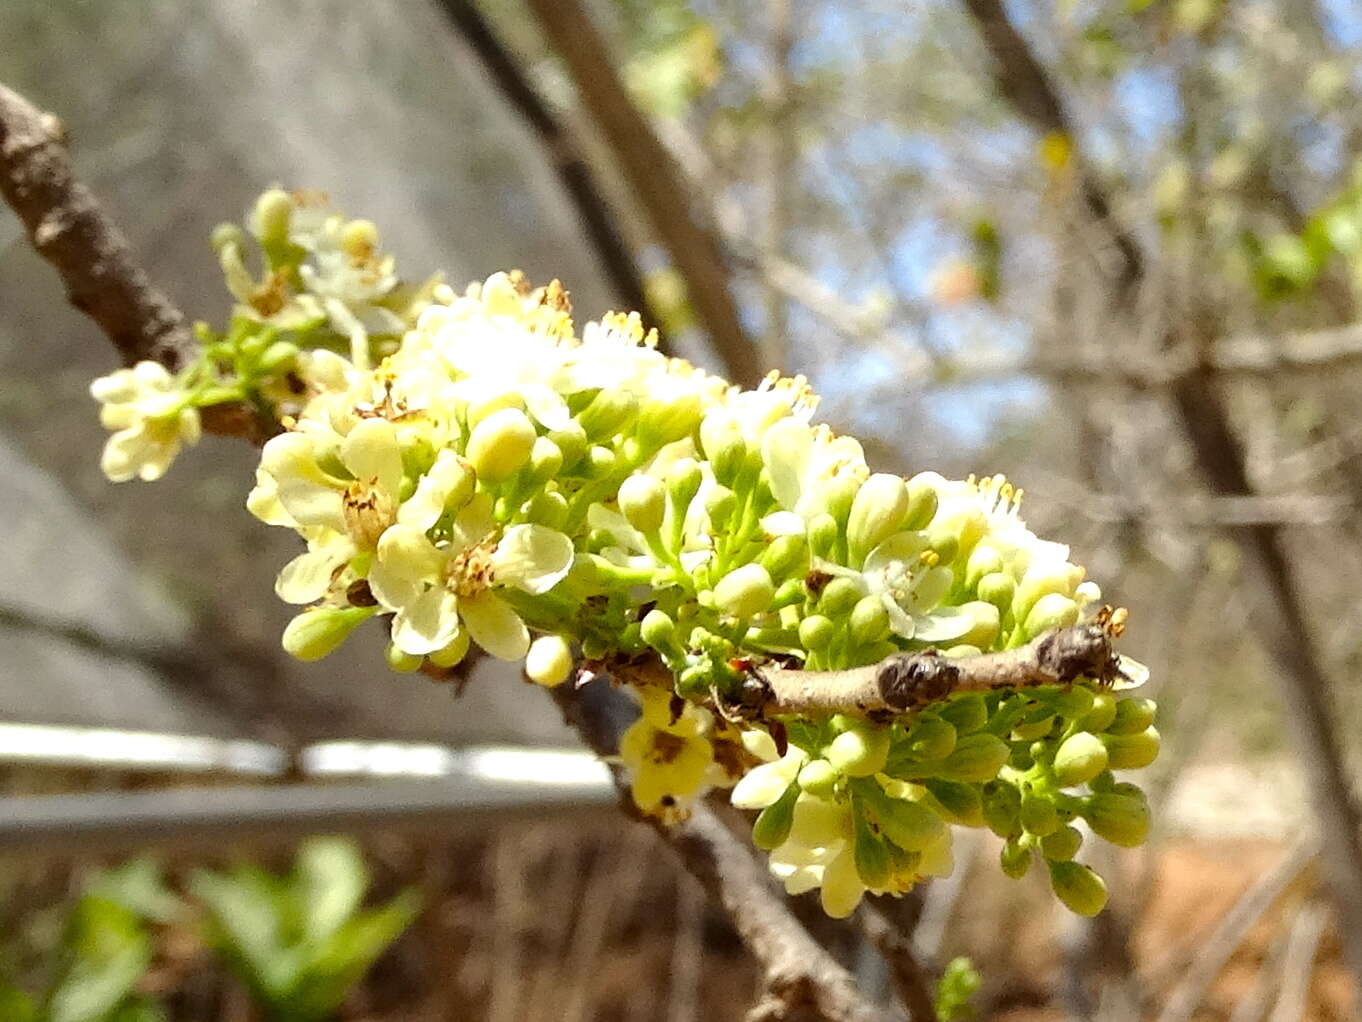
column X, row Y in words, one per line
column 70, row 231
column 653, row 178
column 911, row 978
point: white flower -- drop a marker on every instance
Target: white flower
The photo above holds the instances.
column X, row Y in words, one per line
column 802, row 461
column 151, row 417
column 437, row 590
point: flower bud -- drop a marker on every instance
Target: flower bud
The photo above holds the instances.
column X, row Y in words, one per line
column 932, row 737
column 869, row 621
column 836, row 496
column 658, row 630
column 983, row 560
column 721, row 504
column 987, row 623
column 823, row 535
column 546, row 461
column 683, row 482
column 1132, row 716
column 786, row 556
column 722, row 440
column 873, row 864
column 860, row 751
column 877, row 512
column 1079, row 759
column 1132, row 752
column 922, row 501
column 1030, row 730
column 910, row 825
column 1049, row 578
column 1062, row 845
column 453, row 654
column 842, row 889
column 664, row 421
column 402, row 663
column 643, row 502
column 960, row 801
column 1076, row 703
column 977, row 757
column 1081, row 890
column 549, row 661
column 224, row 235
column 1051, row 611
column 745, row 592
column 967, row 713
column 997, row 589
column 839, row 597
column 1015, row 857
column 1102, row 712
column 599, row 462
column 608, row 414
column 819, row 778
column 572, row 442
column 773, row 824
column 816, row 632
column 500, row 444
column 316, row 632
column 1121, row 819
column 272, row 213
column 1038, row 815
column 278, row 357
column 1001, row 805
column 548, row 508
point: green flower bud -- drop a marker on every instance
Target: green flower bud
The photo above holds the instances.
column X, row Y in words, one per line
column 877, row 512
column 1132, row 752
column 1075, row 704
column 549, row 661
column 745, row 592
column 977, row 757
column 997, row 589
column 547, row 507
column 572, row 442
column 224, row 235
column 1079, row 759
column 1038, row 815
column 788, row 593
column 1055, row 580
column 1062, row 845
column 1015, row 858
column 546, row 461
column 1121, row 819
column 683, row 482
column 967, row 713
column 772, row 826
column 453, row 654
column 721, row 504
column 1102, row 713
column 816, row 632
column 663, row 422
column 722, row 442
column 837, row 495
column 659, row 631
column 609, row 412
column 1029, row 731
column 873, row 863
column 1081, row 890
column 402, row 663
column 273, row 210
column 1051, row 611
column 500, row 444
column 1133, row 715
column 839, row 597
column 278, row 357
column 946, row 544
column 869, row 621
column 922, row 503
column 786, row 556
column 961, row 802
column 599, row 463
column 481, row 408
column 983, row 560
column 860, row 751
column 932, row 737
column 1001, row 807
column 643, row 502
column 987, row 624
column 823, row 534
column 819, row 778
column 318, row 631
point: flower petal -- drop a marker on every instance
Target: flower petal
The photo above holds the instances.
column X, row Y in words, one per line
column 785, row 450
column 944, row 624
column 308, row 576
column 428, row 623
column 404, row 563
column 371, row 451
column 424, row 507
column 532, row 557
column 495, row 627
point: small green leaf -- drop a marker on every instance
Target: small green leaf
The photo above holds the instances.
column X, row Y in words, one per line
column 105, row 952
column 330, row 877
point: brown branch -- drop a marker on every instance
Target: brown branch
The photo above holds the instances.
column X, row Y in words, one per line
column 800, row 974
column 905, row 681
column 70, row 231
column 653, row 179
column 911, row 978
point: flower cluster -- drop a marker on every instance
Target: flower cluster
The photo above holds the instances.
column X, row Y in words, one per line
column 491, row 474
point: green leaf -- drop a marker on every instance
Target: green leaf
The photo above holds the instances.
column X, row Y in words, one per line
column 105, row 952
column 137, row 886
column 960, row 982
column 246, row 912
column 330, row 878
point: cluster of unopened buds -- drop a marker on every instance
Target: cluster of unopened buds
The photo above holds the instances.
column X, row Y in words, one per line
column 472, row 470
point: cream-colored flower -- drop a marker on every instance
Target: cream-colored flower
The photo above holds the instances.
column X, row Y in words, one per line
column 668, row 759
column 152, row 418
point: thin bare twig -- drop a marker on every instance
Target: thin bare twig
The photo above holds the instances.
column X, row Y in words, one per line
column 1298, row 962
column 911, row 978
